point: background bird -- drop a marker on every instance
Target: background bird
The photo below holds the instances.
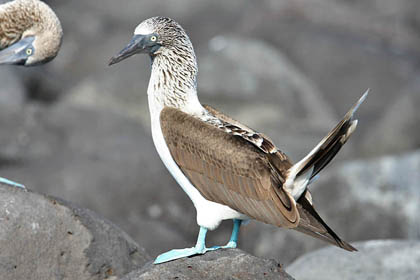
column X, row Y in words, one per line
column 30, row 33
column 228, row 170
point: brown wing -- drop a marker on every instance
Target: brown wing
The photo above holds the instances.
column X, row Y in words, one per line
column 228, row 169
column 234, row 127
column 279, row 159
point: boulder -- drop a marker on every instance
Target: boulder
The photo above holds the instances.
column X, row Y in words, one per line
column 42, row 237
column 231, row 264
column 376, row 259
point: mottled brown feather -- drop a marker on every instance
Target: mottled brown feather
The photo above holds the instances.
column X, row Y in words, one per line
column 227, row 169
column 260, row 140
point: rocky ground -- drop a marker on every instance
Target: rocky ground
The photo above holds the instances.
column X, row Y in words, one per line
column 376, row 259
column 79, row 130
column 43, row 237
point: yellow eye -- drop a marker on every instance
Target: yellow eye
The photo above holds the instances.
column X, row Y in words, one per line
column 28, row 51
column 153, row 38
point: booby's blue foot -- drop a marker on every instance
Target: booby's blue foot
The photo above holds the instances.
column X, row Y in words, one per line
column 199, row 249
column 181, row 253
column 11, row 183
column 233, row 242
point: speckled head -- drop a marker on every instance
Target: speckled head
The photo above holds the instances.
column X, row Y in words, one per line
column 153, row 36
column 30, row 33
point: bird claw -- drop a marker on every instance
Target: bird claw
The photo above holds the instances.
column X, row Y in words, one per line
column 11, row 183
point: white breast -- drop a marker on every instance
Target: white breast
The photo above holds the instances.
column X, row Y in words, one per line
column 209, row 214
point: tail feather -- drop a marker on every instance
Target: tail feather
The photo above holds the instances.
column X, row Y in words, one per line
column 302, row 172
column 325, row 151
column 312, row 224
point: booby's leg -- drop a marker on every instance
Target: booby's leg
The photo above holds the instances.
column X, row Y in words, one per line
column 199, row 249
column 234, row 237
column 11, row 183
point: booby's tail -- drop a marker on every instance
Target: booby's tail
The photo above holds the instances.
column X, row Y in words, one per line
column 312, row 224
column 301, row 173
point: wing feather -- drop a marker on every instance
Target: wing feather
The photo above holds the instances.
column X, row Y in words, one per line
column 228, row 169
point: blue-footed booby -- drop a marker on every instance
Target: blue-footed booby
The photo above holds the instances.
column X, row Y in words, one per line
column 228, row 170
column 30, row 33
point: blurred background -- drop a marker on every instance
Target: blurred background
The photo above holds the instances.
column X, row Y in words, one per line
column 78, row 129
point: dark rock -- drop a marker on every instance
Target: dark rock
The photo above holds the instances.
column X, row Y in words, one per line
column 221, row 265
column 376, row 259
column 43, row 237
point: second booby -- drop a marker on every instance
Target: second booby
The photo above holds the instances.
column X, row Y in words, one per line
column 30, row 33
column 227, row 169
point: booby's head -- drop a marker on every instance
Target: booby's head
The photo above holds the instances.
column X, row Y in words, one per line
column 32, row 34
column 155, row 36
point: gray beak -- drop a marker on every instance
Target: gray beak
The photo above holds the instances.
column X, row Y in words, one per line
column 136, row 45
column 16, row 53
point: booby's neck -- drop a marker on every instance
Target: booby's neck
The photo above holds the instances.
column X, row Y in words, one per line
column 173, row 81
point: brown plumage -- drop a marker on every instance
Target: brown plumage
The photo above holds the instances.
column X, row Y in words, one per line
column 228, row 169
column 231, row 170
column 35, row 25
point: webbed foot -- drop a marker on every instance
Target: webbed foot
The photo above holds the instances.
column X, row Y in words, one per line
column 11, row 183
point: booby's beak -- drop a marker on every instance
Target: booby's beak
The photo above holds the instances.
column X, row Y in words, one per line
column 18, row 53
column 137, row 44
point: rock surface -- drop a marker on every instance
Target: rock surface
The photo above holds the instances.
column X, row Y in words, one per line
column 46, row 238
column 232, row 264
column 376, row 259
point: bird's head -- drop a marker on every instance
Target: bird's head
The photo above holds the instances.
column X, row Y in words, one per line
column 40, row 39
column 155, row 36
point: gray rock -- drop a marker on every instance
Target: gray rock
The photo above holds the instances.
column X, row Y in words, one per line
column 12, row 99
column 376, row 259
column 360, row 200
column 100, row 157
column 217, row 265
column 265, row 90
column 43, row 237
column 394, row 132
column 12, row 92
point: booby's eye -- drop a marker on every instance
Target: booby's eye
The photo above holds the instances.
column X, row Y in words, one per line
column 153, row 38
column 28, row 51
